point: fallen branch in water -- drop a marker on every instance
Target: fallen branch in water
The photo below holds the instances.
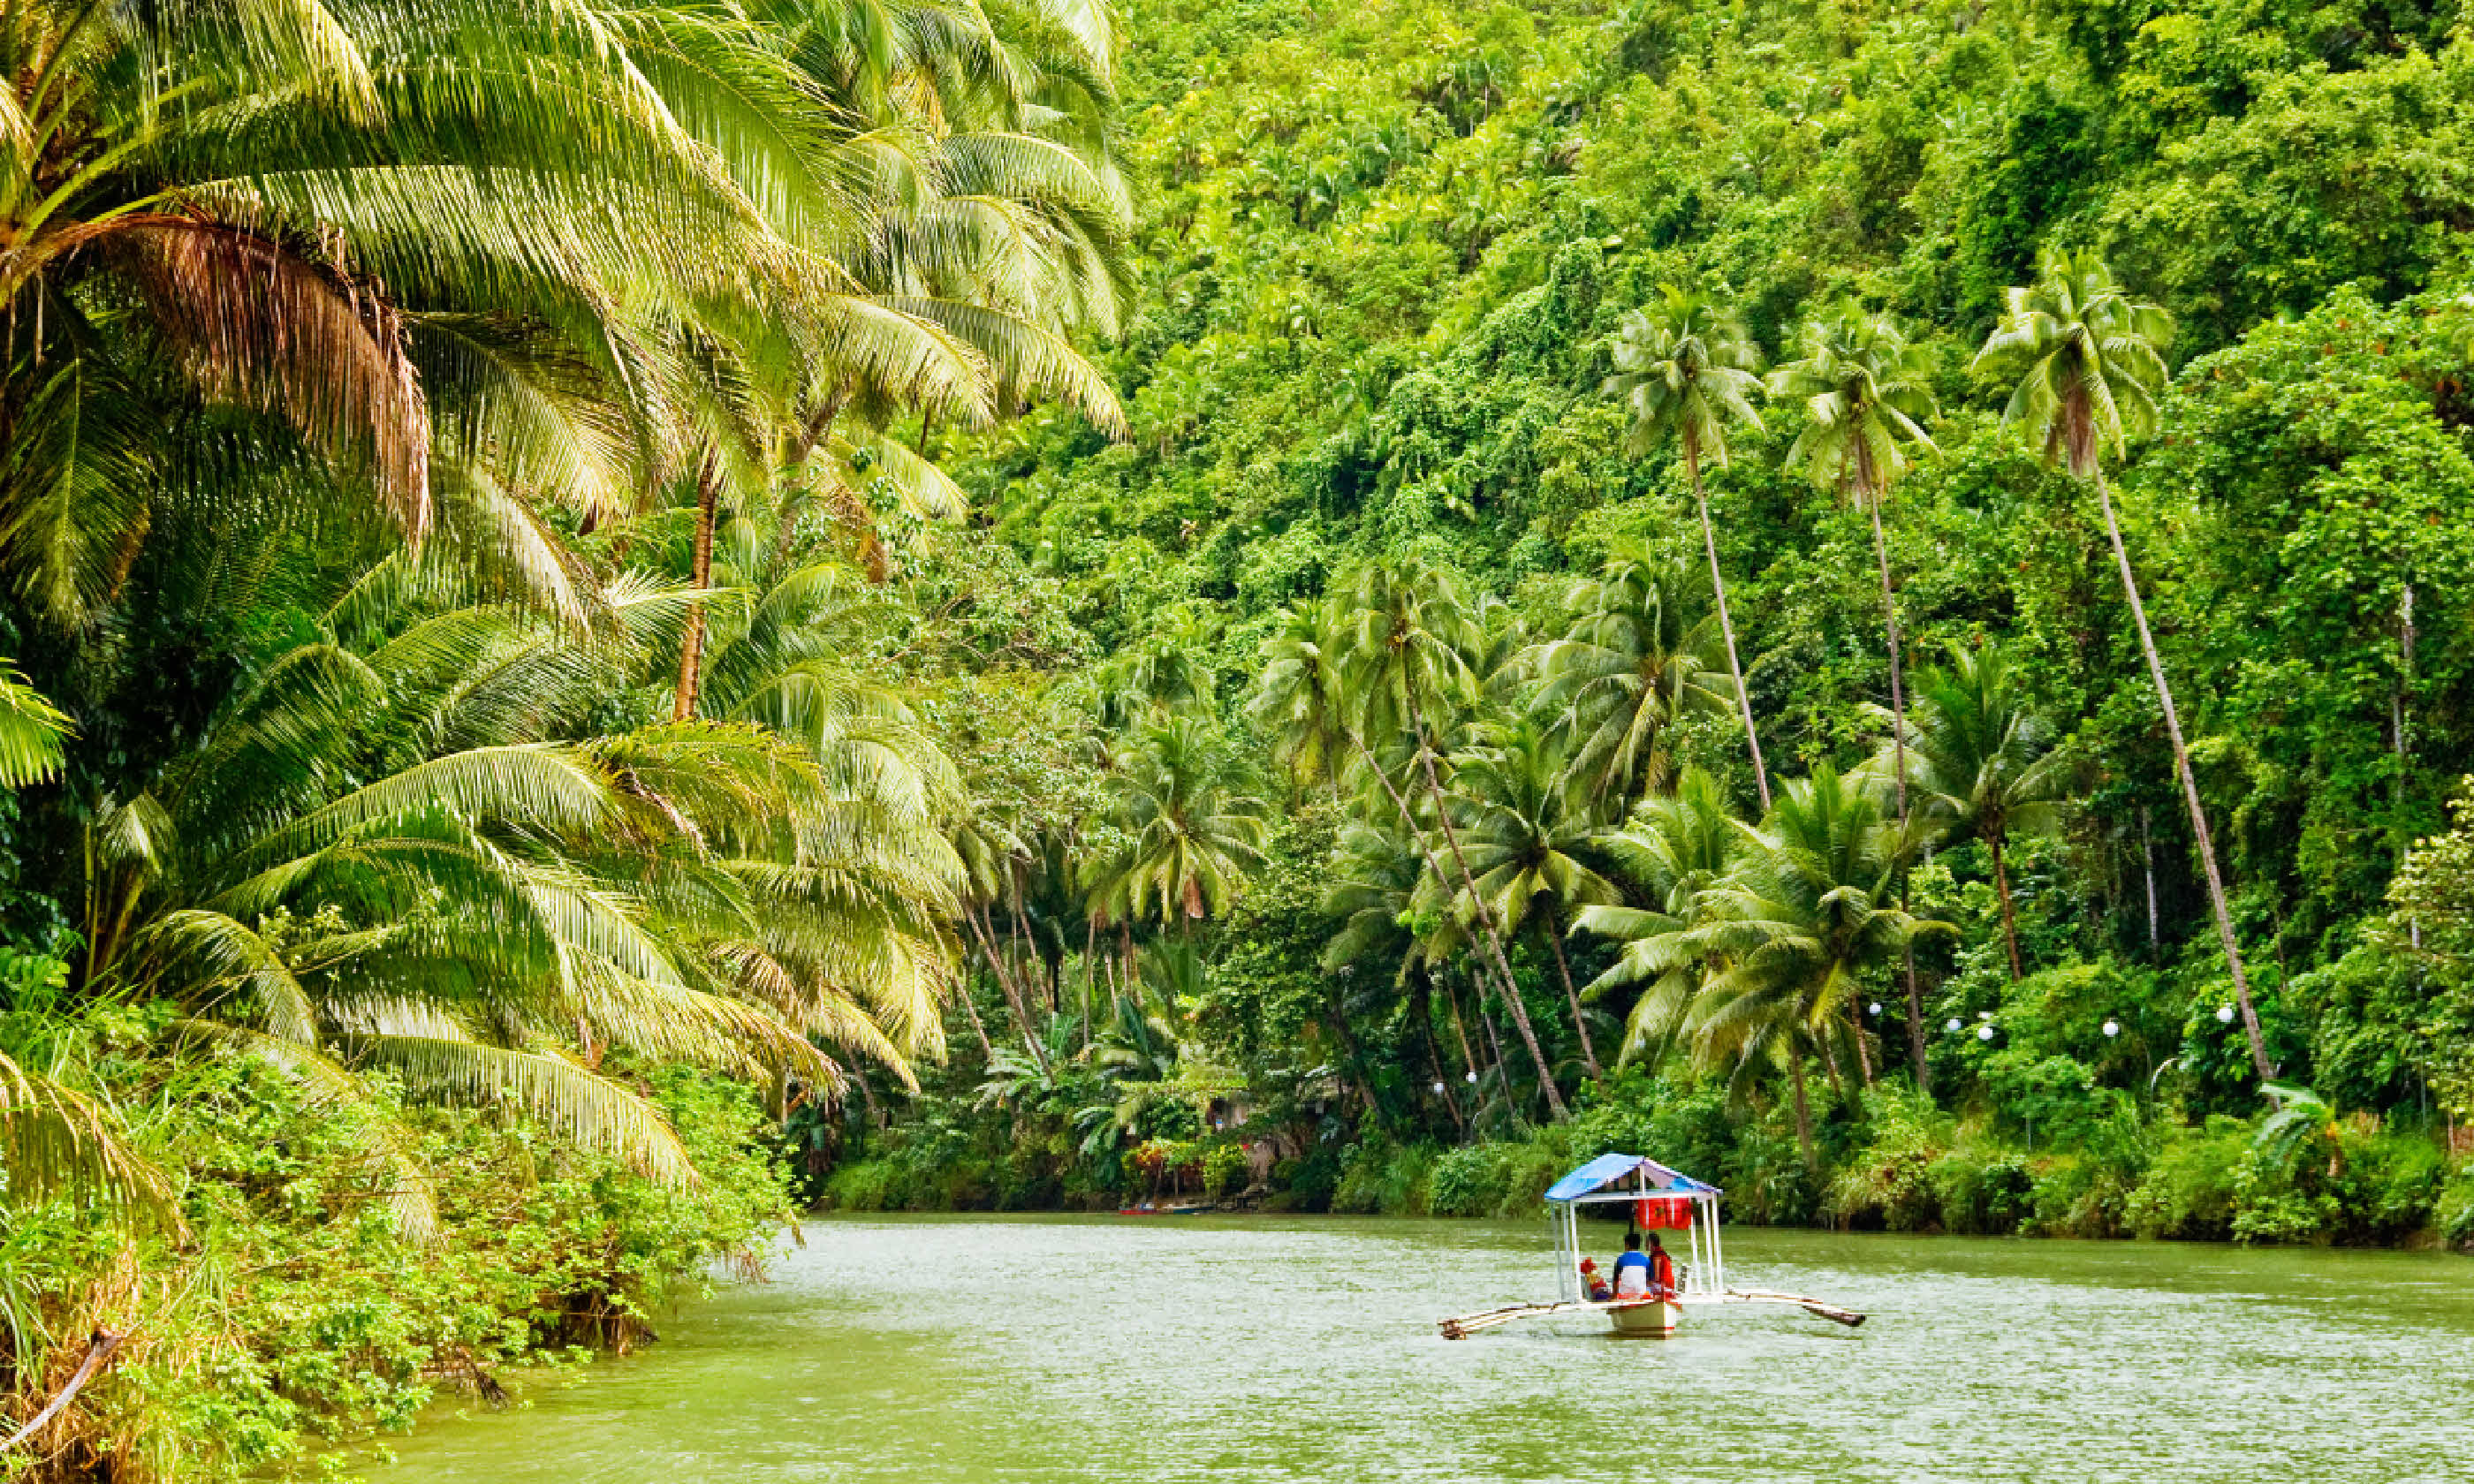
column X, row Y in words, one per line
column 98, row 1350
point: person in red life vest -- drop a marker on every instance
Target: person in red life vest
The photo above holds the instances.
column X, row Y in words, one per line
column 1662, row 1269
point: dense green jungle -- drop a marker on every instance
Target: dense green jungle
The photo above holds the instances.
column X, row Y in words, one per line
column 628, row 619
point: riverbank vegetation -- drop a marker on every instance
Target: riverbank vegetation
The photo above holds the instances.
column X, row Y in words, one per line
column 622, row 617
column 1861, row 600
column 444, row 465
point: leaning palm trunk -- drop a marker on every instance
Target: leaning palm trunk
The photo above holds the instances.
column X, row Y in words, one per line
column 1563, row 969
column 1005, row 983
column 1510, row 987
column 1484, row 914
column 1726, row 624
column 2190, row 785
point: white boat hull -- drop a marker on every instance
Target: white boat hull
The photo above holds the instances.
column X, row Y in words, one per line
column 1651, row 1319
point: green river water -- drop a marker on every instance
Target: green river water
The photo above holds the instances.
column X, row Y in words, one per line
column 1175, row 1349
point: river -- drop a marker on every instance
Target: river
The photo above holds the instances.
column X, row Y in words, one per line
column 942, row 1350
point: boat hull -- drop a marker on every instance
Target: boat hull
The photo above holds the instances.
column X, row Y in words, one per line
column 1651, row 1320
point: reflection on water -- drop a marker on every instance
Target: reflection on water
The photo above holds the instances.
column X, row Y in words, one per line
column 1272, row 1350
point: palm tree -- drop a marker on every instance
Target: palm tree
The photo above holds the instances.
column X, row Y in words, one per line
column 1984, row 761
column 1302, row 693
column 1686, row 367
column 1523, row 831
column 1864, row 389
column 1405, row 643
column 1190, row 835
column 2090, row 361
column 1675, row 846
column 1630, row 662
column 1793, row 928
column 377, row 857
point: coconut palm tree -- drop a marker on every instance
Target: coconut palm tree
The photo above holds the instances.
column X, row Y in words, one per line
column 1685, row 367
column 440, row 292
column 1405, row 643
column 2090, row 361
column 1522, row 830
column 1190, row 835
column 1984, row 763
column 1675, row 846
column 378, row 856
column 1632, row 660
column 1791, row 931
column 1302, row 695
column 1866, row 393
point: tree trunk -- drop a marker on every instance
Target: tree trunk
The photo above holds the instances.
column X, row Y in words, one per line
column 1897, row 682
column 2148, row 874
column 1005, row 983
column 1863, row 1052
column 683, row 700
column 1422, row 1007
column 1484, row 914
column 2190, row 789
column 1803, row 1107
column 1726, row 624
column 1916, row 1026
column 1460, row 1029
column 987, row 1048
column 1564, row 971
column 1352, row 1058
column 2002, row 891
column 1510, row 987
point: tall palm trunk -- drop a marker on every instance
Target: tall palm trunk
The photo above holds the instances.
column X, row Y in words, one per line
column 2190, row 787
column 1803, row 1105
column 1509, row 986
column 2002, row 894
column 1564, row 971
column 1889, row 628
column 683, row 700
column 1899, row 750
column 1726, row 624
column 1485, row 913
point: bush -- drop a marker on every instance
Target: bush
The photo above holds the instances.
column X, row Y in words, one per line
column 2273, row 1208
column 2389, row 1185
column 2075, row 1195
column 2188, row 1193
column 1887, row 1184
column 1467, row 1182
column 1981, row 1196
column 2452, row 1213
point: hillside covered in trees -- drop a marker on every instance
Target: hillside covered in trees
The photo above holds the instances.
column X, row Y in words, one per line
column 625, row 619
column 1475, row 350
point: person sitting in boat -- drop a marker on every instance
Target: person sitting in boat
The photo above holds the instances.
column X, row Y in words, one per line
column 1592, row 1284
column 1644, row 1275
column 1631, row 1269
column 1662, row 1269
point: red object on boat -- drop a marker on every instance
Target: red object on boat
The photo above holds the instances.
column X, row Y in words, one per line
column 1663, row 1213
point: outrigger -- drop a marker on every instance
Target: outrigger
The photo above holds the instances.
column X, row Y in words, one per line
column 1664, row 1197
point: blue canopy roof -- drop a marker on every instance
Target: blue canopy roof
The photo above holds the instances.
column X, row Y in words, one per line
column 1608, row 1169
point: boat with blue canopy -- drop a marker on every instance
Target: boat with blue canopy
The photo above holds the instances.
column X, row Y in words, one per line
column 1662, row 1199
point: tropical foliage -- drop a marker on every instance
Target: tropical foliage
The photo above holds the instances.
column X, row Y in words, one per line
column 621, row 615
